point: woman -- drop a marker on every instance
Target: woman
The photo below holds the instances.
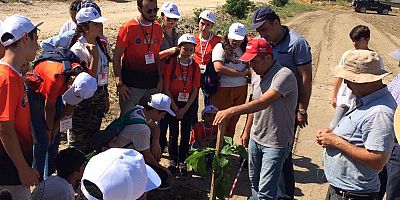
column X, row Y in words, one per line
column 87, row 117
column 233, row 82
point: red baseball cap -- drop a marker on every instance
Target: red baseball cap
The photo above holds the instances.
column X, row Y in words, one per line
column 254, row 47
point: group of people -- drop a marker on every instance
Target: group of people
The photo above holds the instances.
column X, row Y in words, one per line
column 159, row 73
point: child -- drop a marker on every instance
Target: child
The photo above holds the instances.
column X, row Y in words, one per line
column 182, row 82
column 204, row 134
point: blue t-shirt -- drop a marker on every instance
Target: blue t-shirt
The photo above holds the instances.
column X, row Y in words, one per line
column 369, row 125
column 292, row 51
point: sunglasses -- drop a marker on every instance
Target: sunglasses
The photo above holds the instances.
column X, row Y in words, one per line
column 149, row 11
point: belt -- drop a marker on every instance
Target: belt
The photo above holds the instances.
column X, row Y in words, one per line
column 102, row 88
column 354, row 196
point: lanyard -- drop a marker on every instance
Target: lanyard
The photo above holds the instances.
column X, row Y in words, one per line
column 203, row 53
column 171, row 43
column 11, row 67
column 145, row 35
column 187, row 75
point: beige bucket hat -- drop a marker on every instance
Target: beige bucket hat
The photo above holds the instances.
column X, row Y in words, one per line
column 361, row 66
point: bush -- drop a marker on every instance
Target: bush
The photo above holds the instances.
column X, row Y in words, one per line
column 279, row 3
column 238, row 8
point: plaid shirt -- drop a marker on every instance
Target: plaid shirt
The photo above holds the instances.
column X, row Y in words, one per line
column 394, row 89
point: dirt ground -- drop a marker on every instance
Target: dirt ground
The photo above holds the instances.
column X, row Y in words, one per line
column 327, row 32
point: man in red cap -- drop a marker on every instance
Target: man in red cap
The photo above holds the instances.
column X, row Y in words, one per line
column 275, row 93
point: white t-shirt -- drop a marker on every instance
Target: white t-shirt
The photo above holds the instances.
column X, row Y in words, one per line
column 53, row 188
column 345, row 97
column 218, row 54
column 67, row 26
column 81, row 51
column 137, row 134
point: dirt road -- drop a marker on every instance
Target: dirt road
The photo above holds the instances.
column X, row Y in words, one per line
column 327, row 32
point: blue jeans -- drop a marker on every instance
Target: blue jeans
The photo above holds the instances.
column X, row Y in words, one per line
column 390, row 175
column 43, row 153
column 265, row 169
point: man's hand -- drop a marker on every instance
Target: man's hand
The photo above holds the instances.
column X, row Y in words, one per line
column 28, row 176
column 327, row 139
column 181, row 112
column 156, row 150
column 302, row 120
column 221, row 115
column 333, row 102
column 123, row 92
column 244, row 140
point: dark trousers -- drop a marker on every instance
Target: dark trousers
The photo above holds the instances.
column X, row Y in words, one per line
column 390, row 176
column 180, row 153
column 163, row 133
column 338, row 194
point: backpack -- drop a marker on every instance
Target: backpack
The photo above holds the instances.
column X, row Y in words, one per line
column 209, row 81
column 64, row 56
column 103, row 137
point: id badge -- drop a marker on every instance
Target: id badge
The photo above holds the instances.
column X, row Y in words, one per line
column 202, row 68
column 65, row 124
column 149, row 58
column 102, row 79
column 183, row 97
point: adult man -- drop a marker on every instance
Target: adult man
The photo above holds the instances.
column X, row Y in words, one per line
column 19, row 37
column 137, row 135
column 360, row 145
column 274, row 104
column 136, row 56
column 70, row 164
column 292, row 51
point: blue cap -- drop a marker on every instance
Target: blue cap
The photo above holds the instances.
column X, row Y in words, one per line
column 261, row 15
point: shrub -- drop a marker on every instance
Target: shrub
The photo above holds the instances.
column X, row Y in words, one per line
column 238, row 8
column 279, row 3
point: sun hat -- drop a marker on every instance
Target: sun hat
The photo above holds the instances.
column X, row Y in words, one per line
column 208, row 15
column 187, row 38
column 119, row 174
column 89, row 14
column 170, row 10
column 261, row 15
column 209, row 109
column 361, row 66
column 87, row 4
column 254, row 47
column 237, row 31
column 161, row 102
column 17, row 26
column 395, row 54
column 82, row 88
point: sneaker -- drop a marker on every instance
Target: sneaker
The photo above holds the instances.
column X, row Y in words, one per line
column 183, row 168
column 164, row 186
column 172, row 167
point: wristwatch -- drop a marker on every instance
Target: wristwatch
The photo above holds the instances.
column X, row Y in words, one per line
column 302, row 111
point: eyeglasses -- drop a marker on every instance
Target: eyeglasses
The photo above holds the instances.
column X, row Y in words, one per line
column 172, row 19
column 149, row 11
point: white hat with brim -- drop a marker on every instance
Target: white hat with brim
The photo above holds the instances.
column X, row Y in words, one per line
column 161, row 102
column 361, row 66
column 89, row 14
column 187, row 38
column 395, row 54
column 208, row 15
column 83, row 87
column 17, row 26
column 170, row 10
column 237, row 31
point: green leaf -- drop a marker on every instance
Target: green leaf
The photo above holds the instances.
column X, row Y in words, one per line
column 242, row 152
column 197, row 161
column 226, row 150
column 228, row 140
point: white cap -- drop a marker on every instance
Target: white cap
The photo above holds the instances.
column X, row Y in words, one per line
column 209, row 109
column 395, row 54
column 82, row 88
column 89, row 14
column 161, row 102
column 119, row 174
column 188, row 38
column 237, row 31
column 16, row 25
column 170, row 10
column 207, row 15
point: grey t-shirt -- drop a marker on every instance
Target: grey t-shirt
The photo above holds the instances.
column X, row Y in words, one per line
column 169, row 42
column 273, row 126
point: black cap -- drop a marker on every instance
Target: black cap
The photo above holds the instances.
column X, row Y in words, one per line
column 261, row 15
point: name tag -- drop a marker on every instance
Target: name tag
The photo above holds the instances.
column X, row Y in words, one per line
column 202, row 68
column 102, row 78
column 149, row 58
column 183, row 97
column 65, row 124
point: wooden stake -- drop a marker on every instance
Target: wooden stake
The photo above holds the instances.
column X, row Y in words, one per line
column 220, row 142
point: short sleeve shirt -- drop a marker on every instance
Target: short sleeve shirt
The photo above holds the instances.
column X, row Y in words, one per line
column 169, row 42
column 204, row 48
column 233, row 62
column 200, row 131
column 137, row 134
column 54, row 187
column 137, row 38
column 369, row 125
column 183, row 73
column 14, row 107
column 292, row 51
column 274, row 126
column 51, row 86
